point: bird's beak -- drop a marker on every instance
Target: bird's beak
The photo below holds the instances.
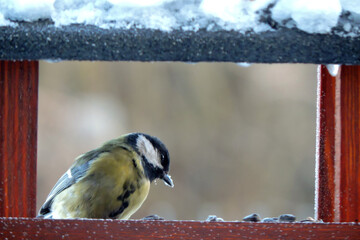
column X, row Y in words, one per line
column 167, row 180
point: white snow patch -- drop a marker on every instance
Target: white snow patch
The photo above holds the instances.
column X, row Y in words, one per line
column 114, row 13
column 351, row 5
column 3, row 21
column 26, row 10
column 333, row 69
column 244, row 64
column 138, row 3
column 235, row 14
column 347, row 27
column 311, row 16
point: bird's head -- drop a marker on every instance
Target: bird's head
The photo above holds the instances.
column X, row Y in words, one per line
column 154, row 156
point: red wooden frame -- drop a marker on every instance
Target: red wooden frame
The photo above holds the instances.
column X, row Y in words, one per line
column 338, row 149
column 337, row 186
column 18, row 136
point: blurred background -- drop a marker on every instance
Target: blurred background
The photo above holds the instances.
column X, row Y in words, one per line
column 241, row 140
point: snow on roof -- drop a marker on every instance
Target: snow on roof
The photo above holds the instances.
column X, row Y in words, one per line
column 312, row 16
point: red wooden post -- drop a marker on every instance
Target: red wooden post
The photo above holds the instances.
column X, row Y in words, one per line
column 18, row 137
column 338, row 146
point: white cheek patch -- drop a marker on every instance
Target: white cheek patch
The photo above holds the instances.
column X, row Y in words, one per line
column 147, row 149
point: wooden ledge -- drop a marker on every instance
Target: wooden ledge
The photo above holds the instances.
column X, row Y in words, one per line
column 32, row 228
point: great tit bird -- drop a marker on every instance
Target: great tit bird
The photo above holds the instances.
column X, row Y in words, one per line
column 111, row 181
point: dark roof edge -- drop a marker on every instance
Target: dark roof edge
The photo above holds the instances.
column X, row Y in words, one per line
column 42, row 40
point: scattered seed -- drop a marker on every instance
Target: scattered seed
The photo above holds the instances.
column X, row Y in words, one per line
column 287, row 218
column 214, row 218
column 252, row 218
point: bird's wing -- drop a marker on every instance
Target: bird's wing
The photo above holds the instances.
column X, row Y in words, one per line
column 75, row 172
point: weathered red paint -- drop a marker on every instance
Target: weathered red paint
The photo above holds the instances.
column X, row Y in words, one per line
column 18, row 137
column 338, row 150
column 26, row 228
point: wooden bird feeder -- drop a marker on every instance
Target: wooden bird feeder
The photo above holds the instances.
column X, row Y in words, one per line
column 337, row 200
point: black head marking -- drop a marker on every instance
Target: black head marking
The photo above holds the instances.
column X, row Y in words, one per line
column 152, row 169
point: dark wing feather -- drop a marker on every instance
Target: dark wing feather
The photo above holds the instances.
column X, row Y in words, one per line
column 77, row 170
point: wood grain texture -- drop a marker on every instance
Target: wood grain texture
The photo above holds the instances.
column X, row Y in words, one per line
column 349, row 209
column 18, row 137
column 27, row 228
column 338, row 146
column 325, row 152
